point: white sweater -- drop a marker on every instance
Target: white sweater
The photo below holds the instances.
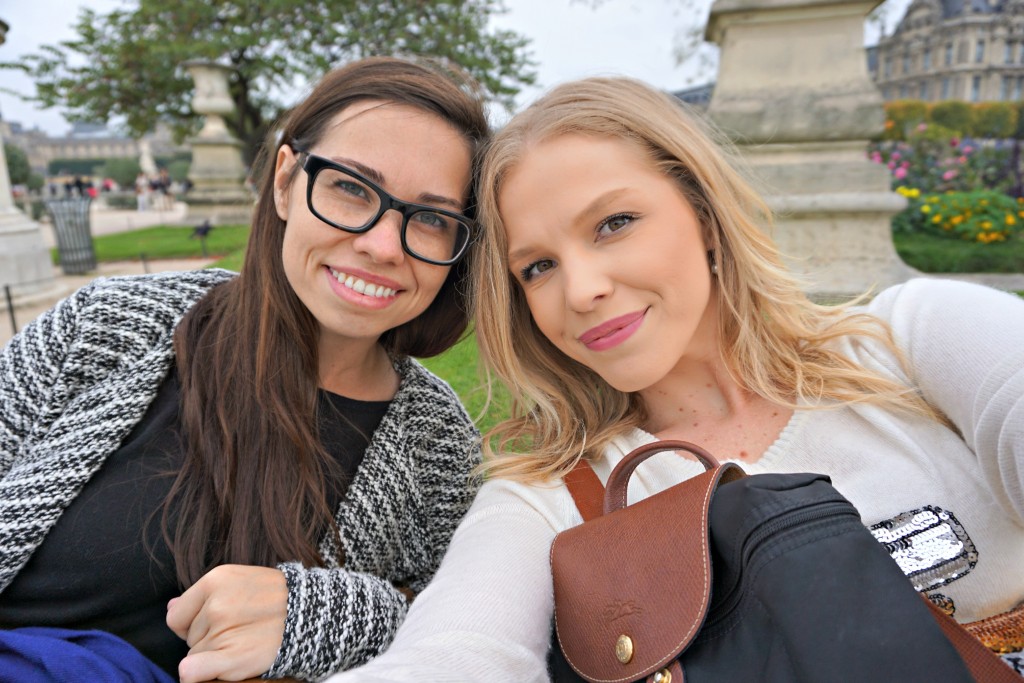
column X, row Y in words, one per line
column 487, row 614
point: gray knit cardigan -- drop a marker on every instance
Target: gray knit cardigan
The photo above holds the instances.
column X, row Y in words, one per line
column 76, row 381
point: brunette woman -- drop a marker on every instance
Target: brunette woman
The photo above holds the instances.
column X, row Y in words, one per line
column 264, row 440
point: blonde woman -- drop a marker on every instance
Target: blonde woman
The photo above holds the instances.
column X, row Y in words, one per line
column 627, row 291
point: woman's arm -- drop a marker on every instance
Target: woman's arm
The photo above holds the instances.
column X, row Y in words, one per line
column 30, row 364
column 486, row 616
column 965, row 349
column 339, row 619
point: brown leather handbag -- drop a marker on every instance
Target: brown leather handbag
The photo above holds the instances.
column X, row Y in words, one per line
column 729, row 577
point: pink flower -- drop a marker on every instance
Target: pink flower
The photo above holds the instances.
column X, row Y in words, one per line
column 905, row 164
column 949, row 175
column 876, row 157
column 896, row 156
column 891, row 165
column 962, row 159
column 921, row 127
column 967, row 149
column 900, row 173
column 954, row 141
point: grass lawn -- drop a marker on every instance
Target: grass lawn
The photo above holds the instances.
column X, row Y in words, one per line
column 931, row 254
column 458, row 366
column 168, row 242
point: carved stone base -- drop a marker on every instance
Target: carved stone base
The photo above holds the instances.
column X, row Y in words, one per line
column 24, row 258
column 833, row 214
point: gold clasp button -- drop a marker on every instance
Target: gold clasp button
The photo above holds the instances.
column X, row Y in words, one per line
column 624, row 649
column 663, row 676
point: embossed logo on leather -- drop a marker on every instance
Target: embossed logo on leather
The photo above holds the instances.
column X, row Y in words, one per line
column 929, row 544
column 617, row 609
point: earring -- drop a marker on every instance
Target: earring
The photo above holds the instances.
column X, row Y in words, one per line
column 712, row 262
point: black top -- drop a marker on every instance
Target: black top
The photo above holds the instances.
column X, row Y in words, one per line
column 104, row 564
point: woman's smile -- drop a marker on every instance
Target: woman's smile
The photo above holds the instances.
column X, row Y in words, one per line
column 610, row 334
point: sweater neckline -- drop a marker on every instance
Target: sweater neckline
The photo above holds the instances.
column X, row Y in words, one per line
column 776, row 451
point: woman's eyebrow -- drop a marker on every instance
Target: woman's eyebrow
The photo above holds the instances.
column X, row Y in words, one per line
column 378, row 177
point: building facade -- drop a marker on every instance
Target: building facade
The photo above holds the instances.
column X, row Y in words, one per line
column 971, row 50
column 84, row 141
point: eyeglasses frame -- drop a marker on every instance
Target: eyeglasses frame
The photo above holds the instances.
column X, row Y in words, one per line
column 314, row 164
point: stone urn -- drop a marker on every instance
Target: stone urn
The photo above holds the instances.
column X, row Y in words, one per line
column 217, row 173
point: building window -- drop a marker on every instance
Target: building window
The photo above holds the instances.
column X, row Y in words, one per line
column 949, row 54
column 975, row 88
column 888, row 66
column 1008, row 53
column 979, row 51
column 945, row 88
column 885, row 93
column 906, row 62
column 1004, row 88
column 904, row 92
column 1018, row 88
column 927, row 59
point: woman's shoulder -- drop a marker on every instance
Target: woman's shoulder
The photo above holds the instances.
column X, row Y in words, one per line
column 938, row 296
column 140, row 307
column 167, row 285
column 421, row 384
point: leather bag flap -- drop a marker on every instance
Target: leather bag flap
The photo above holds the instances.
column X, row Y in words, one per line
column 632, row 587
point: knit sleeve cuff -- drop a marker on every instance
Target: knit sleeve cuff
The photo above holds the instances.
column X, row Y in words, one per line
column 336, row 619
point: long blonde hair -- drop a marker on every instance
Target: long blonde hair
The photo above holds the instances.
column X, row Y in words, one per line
column 775, row 341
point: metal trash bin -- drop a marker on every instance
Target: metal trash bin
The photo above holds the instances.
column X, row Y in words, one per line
column 74, row 234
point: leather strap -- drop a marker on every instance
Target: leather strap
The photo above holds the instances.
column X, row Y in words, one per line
column 586, row 490
column 588, row 493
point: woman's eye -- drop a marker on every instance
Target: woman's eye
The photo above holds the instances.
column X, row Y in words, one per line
column 536, row 268
column 351, row 188
column 615, row 223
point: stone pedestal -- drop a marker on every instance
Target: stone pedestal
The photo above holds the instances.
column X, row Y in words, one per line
column 24, row 259
column 793, row 91
column 218, row 193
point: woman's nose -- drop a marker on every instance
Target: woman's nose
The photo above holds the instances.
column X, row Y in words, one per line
column 383, row 241
column 586, row 282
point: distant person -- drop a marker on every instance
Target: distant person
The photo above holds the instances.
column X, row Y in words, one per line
column 142, row 191
column 249, row 474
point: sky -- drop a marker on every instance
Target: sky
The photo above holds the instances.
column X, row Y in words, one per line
column 570, row 39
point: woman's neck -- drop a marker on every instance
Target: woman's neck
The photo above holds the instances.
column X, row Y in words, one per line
column 701, row 402
column 362, row 372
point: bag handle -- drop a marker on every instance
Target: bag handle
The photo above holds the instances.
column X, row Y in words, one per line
column 586, row 488
column 615, row 494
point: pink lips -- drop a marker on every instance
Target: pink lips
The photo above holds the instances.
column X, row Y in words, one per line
column 613, row 332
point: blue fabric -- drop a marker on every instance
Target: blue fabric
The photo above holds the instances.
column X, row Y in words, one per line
column 54, row 655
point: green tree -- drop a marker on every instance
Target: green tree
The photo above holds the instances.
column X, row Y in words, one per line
column 17, row 164
column 121, row 171
column 128, row 63
column 994, row 120
column 953, row 114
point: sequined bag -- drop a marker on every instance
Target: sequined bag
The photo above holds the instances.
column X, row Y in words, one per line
column 729, row 577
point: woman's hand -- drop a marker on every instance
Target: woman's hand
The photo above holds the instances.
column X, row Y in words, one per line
column 233, row 622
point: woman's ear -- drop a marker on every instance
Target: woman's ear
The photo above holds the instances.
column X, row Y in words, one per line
column 284, row 168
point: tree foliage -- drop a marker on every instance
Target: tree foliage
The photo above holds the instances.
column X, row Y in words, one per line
column 128, row 63
column 17, row 164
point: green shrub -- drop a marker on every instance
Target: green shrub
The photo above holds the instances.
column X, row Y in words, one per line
column 122, row 171
column 994, row 120
column 953, row 114
column 902, row 116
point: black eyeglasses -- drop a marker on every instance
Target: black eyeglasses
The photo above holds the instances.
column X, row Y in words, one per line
column 349, row 201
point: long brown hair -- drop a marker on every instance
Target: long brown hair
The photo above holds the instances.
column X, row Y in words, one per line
column 776, row 343
column 253, row 486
